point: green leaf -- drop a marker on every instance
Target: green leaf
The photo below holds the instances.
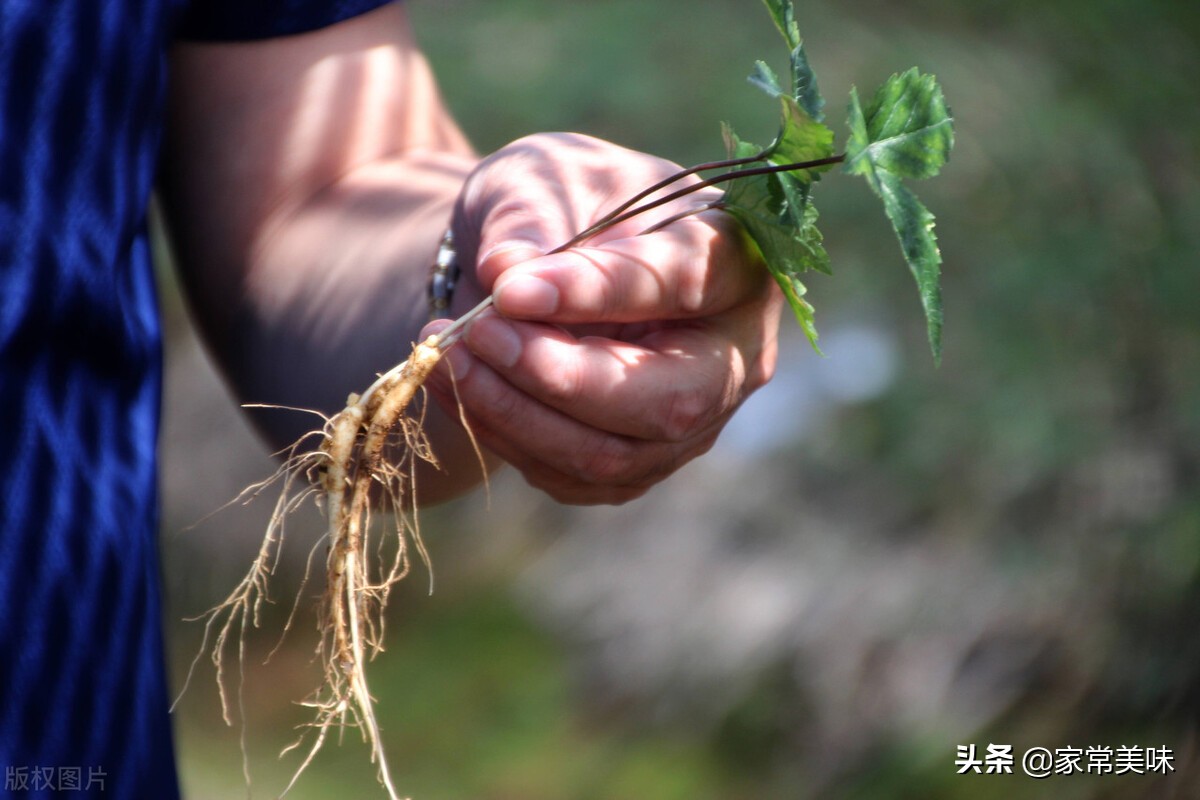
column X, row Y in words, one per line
column 801, row 138
column 775, row 211
column 804, row 85
column 765, row 78
column 913, row 224
column 907, row 128
column 783, row 12
column 813, row 242
column 804, row 80
column 786, row 255
column 906, row 132
column 767, row 209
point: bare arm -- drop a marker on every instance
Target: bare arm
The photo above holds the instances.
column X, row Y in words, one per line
column 307, row 181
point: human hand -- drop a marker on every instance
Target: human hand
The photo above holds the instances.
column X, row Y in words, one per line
column 606, row 367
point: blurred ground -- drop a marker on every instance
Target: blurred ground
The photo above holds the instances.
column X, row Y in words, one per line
column 881, row 560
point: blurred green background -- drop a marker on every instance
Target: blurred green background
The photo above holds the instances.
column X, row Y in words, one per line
column 881, row 560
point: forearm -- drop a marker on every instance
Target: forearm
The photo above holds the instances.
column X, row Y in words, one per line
column 305, row 239
column 334, row 294
column 308, row 180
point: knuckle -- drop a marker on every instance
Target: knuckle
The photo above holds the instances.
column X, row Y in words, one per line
column 753, row 364
column 692, row 296
column 696, row 289
column 686, row 411
column 761, row 372
column 564, row 385
column 599, row 289
column 700, row 447
column 501, row 408
column 707, row 282
column 609, row 461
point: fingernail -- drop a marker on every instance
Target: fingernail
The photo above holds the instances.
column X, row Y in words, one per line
column 495, row 341
column 433, row 328
column 527, row 296
column 514, row 252
column 458, row 362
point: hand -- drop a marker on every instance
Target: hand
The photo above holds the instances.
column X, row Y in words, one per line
column 606, row 367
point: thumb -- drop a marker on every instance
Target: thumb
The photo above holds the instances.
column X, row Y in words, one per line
column 519, row 203
column 502, row 257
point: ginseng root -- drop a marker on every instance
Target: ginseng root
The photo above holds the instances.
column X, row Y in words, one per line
column 363, row 467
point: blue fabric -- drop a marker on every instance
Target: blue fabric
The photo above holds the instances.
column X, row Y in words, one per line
column 83, row 694
column 238, row 19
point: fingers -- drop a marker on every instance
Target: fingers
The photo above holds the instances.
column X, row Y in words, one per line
column 694, row 267
column 538, row 192
column 685, row 381
column 534, row 195
column 668, row 329
column 601, row 418
column 570, row 460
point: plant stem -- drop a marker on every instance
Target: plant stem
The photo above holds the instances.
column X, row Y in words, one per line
column 725, row 177
column 629, row 210
column 604, row 222
column 451, row 334
column 689, row 212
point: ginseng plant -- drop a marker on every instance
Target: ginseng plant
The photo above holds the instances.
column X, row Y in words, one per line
column 360, row 464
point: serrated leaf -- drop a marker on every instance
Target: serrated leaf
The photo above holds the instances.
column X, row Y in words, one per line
column 765, row 78
column 775, row 209
column 786, row 257
column 804, row 80
column 769, row 208
column 794, row 291
column 784, row 15
column 906, row 132
column 801, row 138
column 813, row 242
column 913, row 224
column 906, row 129
column 775, row 212
column 804, row 85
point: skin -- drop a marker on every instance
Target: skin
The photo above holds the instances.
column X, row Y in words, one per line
column 307, row 181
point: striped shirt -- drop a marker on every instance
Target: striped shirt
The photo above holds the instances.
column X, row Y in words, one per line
column 83, row 694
